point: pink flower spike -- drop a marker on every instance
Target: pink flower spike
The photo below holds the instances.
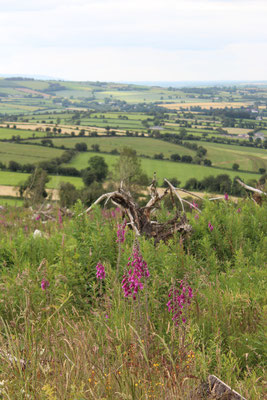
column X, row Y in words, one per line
column 226, row 197
column 44, row 284
column 210, row 227
column 100, row 271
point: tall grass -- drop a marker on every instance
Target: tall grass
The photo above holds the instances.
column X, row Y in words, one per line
column 78, row 337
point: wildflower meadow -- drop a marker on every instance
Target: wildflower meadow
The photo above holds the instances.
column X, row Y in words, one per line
column 89, row 310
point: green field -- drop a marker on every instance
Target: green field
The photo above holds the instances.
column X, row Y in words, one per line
column 224, row 156
column 10, row 201
column 164, row 169
column 8, row 133
column 16, row 178
column 144, row 145
column 24, row 153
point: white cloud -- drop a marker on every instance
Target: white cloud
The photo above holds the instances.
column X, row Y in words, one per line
column 195, row 39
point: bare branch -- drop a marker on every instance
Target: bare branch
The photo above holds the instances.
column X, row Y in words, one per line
column 104, row 196
column 252, row 189
column 191, row 194
column 175, row 191
column 217, row 198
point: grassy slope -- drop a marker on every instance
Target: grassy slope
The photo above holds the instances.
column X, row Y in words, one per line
column 145, row 146
column 164, row 169
column 7, row 133
column 16, row 178
column 248, row 158
column 26, row 153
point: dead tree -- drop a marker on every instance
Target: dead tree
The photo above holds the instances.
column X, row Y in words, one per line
column 142, row 219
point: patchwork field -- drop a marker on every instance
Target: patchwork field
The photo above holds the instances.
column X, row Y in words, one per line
column 223, row 104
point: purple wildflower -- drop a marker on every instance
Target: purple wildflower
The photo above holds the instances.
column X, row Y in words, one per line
column 59, row 217
column 196, row 217
column 210, row 227
column 100, row 271
column 131, row 281
column 38, row 217
column 238, row 210
column 44, row 284
column 226, row 197
column 180, row 299
column 121, row 232
column 194, row 205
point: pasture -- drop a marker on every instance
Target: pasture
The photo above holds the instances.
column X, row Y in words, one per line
column 224, row 156
column 9, row 133
column 24, row 153
column 144, row 145
column 164, row 169
column 13, row 179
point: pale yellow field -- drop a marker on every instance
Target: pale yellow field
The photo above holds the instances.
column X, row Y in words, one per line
column 64, row 128
column 238, row 131
column 177, row 106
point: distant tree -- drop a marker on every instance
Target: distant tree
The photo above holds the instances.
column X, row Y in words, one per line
column 2, row 166
column 88, row 176
column 128, row 169
column 207, row 162
column 192, row 184
column 68, row 194
column 262, row 171
column 159, row 156
column 91, row 193
column 175, row 157
column 235, row 167
column 82, row 132
column 201, row 151
column 47, row 142
column 99, row 167
column 81, row 146
column 33, row 190
column 114, row 151
column 186, row 159
column 95, row 148
column 13, row 166
column 183, row 133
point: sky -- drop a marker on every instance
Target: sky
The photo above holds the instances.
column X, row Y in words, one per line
column 135, row 40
